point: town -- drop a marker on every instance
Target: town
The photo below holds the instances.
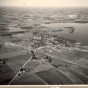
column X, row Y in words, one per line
column 40, row 46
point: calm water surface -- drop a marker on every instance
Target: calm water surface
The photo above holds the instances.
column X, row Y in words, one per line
column 80, row 34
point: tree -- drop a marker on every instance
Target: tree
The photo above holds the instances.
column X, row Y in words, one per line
column 50, row 60
column 47, row 57
column 0, row 46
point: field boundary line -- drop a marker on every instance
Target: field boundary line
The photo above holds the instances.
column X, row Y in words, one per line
column 40, row 78
column 71, row 68
column 79, row 72
column 67, row 61
column 19, row 71
column 10, row 68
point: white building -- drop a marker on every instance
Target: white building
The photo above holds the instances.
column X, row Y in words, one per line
column 73, row 16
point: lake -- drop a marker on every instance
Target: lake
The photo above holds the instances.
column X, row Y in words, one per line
column 15, row 29
column 80, row 34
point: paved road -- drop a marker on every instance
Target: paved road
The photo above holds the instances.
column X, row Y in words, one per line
column 24, row 52
column 32, row 73
column 19, row 71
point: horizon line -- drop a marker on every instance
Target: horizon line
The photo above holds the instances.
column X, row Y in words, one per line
column 47, row 7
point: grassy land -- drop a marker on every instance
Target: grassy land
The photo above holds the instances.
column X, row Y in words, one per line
column 81, row 69
column 28, row 79
column 17, row 62
column 6, row 74
column 83, row 78
column 51, row 78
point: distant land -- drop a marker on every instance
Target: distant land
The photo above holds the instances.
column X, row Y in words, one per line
column 43, row 46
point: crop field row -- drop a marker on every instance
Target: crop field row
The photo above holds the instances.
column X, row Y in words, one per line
column 54, row 72
column 17, row 62
column 71, row 76
column 29, row 79
column 82, row 77
column 6, row 74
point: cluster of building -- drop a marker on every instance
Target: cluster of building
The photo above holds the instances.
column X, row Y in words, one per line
column 48, row 38
column 43, row 38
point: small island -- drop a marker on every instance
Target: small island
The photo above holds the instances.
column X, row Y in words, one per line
column 70, row 29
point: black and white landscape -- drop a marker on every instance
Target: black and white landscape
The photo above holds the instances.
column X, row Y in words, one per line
column 43, row 45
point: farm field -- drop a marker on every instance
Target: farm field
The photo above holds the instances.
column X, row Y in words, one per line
column 6, row 74
column 43, row 46
column 28, row 79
